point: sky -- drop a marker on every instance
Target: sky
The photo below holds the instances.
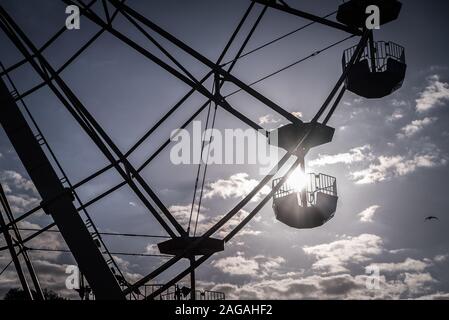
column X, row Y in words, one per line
column 389, row 155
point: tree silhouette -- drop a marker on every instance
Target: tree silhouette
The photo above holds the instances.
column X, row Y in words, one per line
column 15, row 294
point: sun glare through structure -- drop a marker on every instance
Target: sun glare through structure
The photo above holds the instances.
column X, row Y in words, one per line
column 298, row 180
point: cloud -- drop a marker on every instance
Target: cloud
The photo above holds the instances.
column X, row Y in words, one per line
column 417, row 282
column 47, row 240
column 126, row 269
column 248, row 230
column 21, row 193
column 435, row 94
column 268, row 119
column 319, row 287
column 397, row 280
column 398, row 103
column 335, row 256
column 237, row 266
column 297, row 114
column 368, row 214
column 205, row 222
column 6, row 188
column 271, row 119
column 397, row 115
column 152, row 248
column 354, row 155
column 387, row 167
column 182, row 214
column 408, row 265
column 237, row 186
column 259, row 266
column 415, row 126
column 15, row 180
column 49, row 266
column 441, row 257
column 21, row 203
column 435, row 296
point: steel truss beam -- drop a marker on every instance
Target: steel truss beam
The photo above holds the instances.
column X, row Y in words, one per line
column 146, row 135
column 308, row 16
column 47, row 44
column 134, row 16
column 91, row 127
column 64, row 65
column 11, row 246
column 66, row 180
column 141, row 140
column 48, row 73
column 57, row 202
column 214, row 67
column 263, row 182
column 196, row 85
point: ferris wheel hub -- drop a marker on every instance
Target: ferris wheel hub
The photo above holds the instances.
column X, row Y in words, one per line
column 314, row 134
column 179, row 245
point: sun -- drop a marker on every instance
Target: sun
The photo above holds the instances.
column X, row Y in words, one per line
column 298, row 180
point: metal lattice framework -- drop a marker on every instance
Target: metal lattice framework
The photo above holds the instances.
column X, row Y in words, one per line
column 97, row 270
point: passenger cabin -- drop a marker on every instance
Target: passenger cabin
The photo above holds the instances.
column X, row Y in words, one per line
column 353, row 13
column 379, row 72
column 308, row 208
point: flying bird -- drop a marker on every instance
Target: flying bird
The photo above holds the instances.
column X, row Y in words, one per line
column 429, row 218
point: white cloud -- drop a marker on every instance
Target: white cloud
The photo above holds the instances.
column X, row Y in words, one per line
column 205, row 222
column 435, row 94
column 398, row 103
column 237, row 266
column 297, row 114
column 49, row 240
column 415, row 126
column 259, row 266
column 182, row 213
column 20, row 203
column 389, row 167
column 6, row 188
column 341, row 286
column 250, row 232
column 416, row 282
column 152, row 248
column 335, row 256
column 397, row 115
column 441, row 257
column 237, row 186
column 15, row 180
column 21, row 193
column 435, row 296
column 267, row 278
column 354, row 155
column 126, row 269
column 268, row 119
column 368, row 214
column 408, row 265
column 404, row 280
column 232, row 223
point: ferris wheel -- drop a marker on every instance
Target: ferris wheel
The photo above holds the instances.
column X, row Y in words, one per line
column 371, row 69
